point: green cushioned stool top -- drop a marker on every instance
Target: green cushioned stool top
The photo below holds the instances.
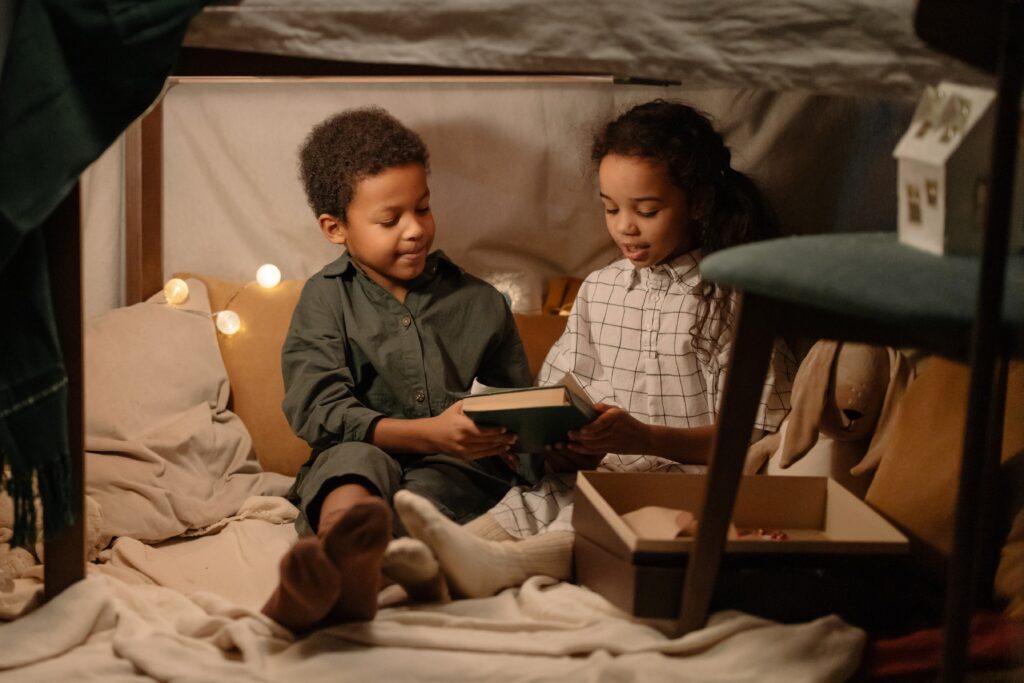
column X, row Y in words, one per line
column 867, row 275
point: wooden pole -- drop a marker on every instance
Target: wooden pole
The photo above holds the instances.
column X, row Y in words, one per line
column 65, row 554
column 143, row 204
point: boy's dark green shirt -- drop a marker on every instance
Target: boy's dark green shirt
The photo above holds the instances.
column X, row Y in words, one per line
column 354, row 354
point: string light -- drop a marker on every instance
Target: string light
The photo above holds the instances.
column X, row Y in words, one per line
column 176, row 291
column 268, row 275
column 227, row 322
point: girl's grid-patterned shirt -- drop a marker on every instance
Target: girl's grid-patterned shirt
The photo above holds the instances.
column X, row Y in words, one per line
column 628, row 343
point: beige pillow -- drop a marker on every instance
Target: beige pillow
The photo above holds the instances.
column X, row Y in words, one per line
column 164, row 453
column 917, row 479
column 252, row 358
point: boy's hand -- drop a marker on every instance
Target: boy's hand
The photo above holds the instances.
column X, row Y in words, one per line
column 614, row 431
column 455, row 434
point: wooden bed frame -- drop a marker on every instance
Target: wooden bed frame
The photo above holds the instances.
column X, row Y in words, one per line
column 143, row 277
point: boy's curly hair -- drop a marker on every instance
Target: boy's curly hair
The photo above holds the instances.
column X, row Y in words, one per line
column 348, row 147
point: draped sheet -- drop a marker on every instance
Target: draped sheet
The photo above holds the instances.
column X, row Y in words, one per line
column 852, row 47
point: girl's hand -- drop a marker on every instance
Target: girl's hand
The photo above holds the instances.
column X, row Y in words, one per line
column 558, row 458
column 614, row 431
column 453, row 433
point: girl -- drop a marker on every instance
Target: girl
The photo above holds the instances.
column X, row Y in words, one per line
column 646, row 338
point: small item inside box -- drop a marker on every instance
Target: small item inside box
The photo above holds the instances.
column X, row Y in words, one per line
column 654, row 522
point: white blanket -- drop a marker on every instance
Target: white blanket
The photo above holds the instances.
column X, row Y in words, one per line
column 545, row 630
column 187, row 610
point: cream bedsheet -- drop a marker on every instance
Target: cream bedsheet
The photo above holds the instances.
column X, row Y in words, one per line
column 202, row 624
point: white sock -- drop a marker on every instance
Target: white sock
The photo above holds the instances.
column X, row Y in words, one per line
column 477, row 567
column 486, row 526
column 409, row 563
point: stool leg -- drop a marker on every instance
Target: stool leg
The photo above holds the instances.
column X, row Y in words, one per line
column 991, row 527
column 974, row 510
column 744, row 382
column 985, row 346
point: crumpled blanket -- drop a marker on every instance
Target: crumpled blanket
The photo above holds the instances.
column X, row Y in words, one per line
column 543, row 630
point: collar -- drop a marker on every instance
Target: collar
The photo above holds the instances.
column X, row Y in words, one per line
column 683, row 270
column 436, row 260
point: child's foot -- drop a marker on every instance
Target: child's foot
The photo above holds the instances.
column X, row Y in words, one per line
column 474, row 567
column 308, row 587
column 355, row 545
column 409, row 563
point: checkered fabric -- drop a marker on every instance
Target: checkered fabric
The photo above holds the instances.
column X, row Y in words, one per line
column 628, row 343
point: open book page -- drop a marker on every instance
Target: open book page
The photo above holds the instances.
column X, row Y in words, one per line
column 481, row 388
column 571, row 383
column 568, row 380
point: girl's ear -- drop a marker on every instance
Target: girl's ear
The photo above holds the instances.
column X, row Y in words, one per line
column 333, row 228
column 810, row 387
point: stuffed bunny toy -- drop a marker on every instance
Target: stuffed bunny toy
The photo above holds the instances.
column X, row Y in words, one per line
column 843, row 400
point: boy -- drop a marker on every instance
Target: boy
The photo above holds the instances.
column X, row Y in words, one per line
column 382, row 344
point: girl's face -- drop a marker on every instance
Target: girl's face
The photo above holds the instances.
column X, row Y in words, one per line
column 647, row 216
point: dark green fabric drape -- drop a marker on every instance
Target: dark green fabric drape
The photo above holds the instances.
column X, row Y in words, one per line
column 77, row 72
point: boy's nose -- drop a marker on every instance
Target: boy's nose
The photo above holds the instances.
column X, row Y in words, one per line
column 414, row 228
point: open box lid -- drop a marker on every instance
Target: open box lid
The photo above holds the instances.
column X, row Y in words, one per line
column 818, row 514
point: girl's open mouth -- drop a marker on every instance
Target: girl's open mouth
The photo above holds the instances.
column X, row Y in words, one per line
column 634, row 251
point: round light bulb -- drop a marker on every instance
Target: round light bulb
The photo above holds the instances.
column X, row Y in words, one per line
column 176, row 291
column 268, row 275
column 228, row 322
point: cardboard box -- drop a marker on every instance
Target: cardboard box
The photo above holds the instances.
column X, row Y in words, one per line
column 839, row 555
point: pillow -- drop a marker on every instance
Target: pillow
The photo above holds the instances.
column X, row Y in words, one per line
column 917, row 479
column 164, row 455
column 252, row 358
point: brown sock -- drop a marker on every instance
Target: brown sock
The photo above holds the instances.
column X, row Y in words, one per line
column 355, row 545
column 308, row 588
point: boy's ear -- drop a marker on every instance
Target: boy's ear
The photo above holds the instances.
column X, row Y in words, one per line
column 333, row 228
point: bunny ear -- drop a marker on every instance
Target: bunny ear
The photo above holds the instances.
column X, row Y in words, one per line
column 808, row 400
column 900, row 375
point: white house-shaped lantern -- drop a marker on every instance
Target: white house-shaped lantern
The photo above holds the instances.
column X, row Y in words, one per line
column 944, row 165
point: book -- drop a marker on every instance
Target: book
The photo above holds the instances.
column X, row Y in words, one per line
column 539, row 416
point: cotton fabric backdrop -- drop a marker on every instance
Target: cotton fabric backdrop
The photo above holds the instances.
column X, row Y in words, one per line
column 513, row 190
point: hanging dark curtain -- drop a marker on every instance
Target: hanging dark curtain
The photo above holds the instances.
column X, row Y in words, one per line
column 76, row 73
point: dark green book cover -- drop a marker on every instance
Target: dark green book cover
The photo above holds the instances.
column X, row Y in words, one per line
column 536, row 426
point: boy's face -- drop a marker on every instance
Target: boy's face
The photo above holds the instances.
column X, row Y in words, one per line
column 389, row 229
column 647, row 216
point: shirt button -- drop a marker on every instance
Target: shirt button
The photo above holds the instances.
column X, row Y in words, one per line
column 406, row 321
column 420, row 397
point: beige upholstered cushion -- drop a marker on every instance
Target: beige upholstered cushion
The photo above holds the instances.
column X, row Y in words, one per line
column 253, row 361
column 917, row 479
column 252, row 357
column 539, row 332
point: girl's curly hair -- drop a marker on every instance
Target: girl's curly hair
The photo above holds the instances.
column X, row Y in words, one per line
column 699, row 163
column 348, row 147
